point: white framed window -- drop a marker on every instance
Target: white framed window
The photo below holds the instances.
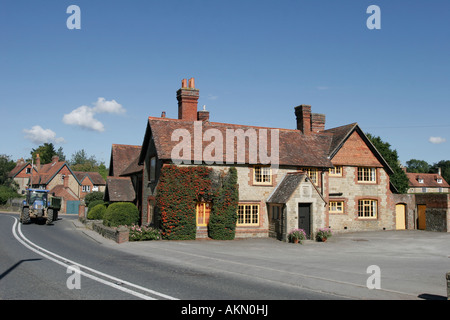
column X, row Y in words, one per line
column 248, row 214
column 336, row 171
column 262, row 175
column 86, row 188
column 336, row 207
column 366, row 174
column 367, row 209
column 313, row 174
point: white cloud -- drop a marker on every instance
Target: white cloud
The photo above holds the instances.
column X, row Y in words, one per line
column 39, row 135
column 84, row 116
column 104, row 106
column 437, row 140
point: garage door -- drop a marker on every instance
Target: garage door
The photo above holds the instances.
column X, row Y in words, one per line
column 72, row 207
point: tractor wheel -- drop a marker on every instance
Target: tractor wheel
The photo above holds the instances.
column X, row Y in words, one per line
column 25, row 216
column 49, row 216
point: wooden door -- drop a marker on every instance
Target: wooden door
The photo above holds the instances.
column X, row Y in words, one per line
column 304, row 218
column 400, row 217
column 203, row 211
column 421, row 209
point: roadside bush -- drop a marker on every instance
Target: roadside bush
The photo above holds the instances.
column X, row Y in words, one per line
column 94, row 203
column 120, row 214
column 7, row 193
column 143, row 233
column 93, row 196
column 97, row 212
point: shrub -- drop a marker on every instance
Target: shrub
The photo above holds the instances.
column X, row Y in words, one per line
column 121, row 213
column 94, row 203
column 97, row 212
column 143, row 233
column 222, row 221
column 7, row 193
column 93, row 196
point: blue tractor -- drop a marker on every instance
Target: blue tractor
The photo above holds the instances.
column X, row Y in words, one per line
column 39, row 205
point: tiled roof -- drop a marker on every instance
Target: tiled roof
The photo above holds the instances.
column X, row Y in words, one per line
column 429, row 180
column 121, row 157
column 119, row 189
column 295, row 148
column 286, row 187
column 95, row 177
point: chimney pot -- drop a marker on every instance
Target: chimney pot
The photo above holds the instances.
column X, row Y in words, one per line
column 187, row 101
column 184, row 83
column 163, row 114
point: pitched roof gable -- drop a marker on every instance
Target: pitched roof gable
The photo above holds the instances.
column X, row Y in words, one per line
column 340, row 135
column 121, row 157
column 284, row 190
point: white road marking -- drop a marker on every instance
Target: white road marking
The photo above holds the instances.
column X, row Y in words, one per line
column 67, row 263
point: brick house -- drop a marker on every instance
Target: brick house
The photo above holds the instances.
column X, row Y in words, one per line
column 58, row 178
column 427, row 182
column 89, row 182
column 322, row 178
column 21, row 174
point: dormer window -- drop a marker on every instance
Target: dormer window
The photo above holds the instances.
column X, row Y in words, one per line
column 420, row 180
column 439, row 180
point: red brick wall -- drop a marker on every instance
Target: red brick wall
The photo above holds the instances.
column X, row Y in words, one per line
column 355, row 152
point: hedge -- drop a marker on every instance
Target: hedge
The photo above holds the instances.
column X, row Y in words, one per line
column 223, row 217
column 121, row 213
column 97, row 212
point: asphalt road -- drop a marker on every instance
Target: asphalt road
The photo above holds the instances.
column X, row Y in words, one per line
column 34, row 261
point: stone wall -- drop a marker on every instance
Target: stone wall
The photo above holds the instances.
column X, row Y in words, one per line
column 350, row 191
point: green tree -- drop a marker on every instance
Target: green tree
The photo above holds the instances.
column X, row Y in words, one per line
column 398, row 178
column 418, row 166
column 80, row 161
column 45, row 151
column 6, row 165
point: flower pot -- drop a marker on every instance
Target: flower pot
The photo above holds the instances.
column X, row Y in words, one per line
column 324, row 239
column 295, row 240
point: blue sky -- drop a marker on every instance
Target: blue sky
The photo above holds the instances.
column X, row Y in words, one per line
column 253, row 61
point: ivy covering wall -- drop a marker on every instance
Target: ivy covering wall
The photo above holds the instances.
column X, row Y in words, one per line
column 179, row 190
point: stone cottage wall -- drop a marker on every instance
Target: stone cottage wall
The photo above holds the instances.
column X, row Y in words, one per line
column 352, row 191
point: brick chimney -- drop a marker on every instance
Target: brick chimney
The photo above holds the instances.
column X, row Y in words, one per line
column 55, row 159
column 317, row 122
column 38, row 162
column 303, row 115
column 203, row 115
column 187, row 98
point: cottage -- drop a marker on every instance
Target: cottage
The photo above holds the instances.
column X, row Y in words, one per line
column 308, row 177
column 57, row 177
column 427, row 182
